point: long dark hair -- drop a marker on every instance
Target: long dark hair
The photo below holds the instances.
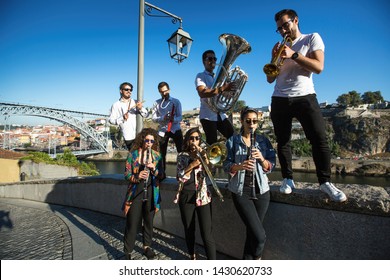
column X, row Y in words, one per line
column 139, row 140
column 186, row 142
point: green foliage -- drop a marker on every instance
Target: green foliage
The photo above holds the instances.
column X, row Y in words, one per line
column 370, row 97
column 351, row 98
column 301, row 147
column 39, row 157
column 239, row 105
column 66, row 159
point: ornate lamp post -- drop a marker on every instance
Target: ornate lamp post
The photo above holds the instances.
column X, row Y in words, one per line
column 179, row 46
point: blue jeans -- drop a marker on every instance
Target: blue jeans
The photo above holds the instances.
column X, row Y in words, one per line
column 307, row 111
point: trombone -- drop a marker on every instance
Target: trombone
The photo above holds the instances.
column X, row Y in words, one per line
column 273, row 69
column 215, row 153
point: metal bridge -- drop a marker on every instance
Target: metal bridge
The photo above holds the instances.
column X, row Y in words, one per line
column 99, row 141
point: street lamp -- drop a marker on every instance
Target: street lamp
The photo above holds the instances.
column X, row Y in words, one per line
column 179, row 46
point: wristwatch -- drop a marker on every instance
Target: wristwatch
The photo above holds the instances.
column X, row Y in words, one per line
column 295, row 56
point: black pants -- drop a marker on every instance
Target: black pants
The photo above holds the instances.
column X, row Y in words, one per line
column 307, row 111
column 188, row 209
column 140, row 211
column 177, row 138
column 211, row 129
column 129, row 143
column 252, row 213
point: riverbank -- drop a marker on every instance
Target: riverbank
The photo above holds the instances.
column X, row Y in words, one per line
column 360, row 167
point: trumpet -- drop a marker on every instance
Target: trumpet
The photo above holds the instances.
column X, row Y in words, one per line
column 273, row 69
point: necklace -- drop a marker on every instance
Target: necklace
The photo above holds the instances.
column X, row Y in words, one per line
column 161, row 105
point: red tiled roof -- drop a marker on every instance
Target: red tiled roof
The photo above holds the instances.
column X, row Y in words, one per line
column 7, row 154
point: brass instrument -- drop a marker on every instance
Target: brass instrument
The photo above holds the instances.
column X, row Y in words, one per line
column 208, row 172
column 273, row 69
column 252, row 173
column 233, row 47
column 215, row 153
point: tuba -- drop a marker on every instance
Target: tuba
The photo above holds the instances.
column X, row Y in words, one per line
column 273, row 69
column 233, row 47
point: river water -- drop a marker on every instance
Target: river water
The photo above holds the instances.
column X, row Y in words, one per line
column 117, row 167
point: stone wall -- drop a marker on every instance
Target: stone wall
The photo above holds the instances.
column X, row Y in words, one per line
column 303, row 225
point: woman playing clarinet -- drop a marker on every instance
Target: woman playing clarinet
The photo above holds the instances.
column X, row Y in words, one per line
column 143, row 171
column 250, row 157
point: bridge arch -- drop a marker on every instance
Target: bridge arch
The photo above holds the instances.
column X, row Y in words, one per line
column 62, row 116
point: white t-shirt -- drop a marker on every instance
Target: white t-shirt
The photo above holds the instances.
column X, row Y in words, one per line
column 294, row 80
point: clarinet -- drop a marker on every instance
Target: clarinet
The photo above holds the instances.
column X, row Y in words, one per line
column 148, row 157
column 252, row 173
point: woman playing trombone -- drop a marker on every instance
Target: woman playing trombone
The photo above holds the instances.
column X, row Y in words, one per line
column 194, row 197
column 248, row 161
column 143, row 171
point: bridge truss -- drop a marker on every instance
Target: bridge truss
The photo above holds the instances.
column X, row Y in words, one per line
column 62, row 116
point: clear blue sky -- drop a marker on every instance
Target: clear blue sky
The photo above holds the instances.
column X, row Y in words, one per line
column 73, row 54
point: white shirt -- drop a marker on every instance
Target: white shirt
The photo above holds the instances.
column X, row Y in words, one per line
column 163, row 107
column 128, row 127
column 294, row 80
column 207, row 79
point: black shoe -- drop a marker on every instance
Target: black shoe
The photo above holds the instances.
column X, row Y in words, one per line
column 149, row 253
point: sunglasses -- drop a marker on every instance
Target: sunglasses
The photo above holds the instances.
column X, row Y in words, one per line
column 193, row 138
column 149, row 140
column 127, row 89
column 211, row 58
column 249, row 121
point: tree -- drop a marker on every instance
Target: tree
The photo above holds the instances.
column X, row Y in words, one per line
column 370, row 97
column 239, row 105
column 351, row 98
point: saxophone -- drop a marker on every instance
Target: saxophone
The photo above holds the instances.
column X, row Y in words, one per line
column 233, row 47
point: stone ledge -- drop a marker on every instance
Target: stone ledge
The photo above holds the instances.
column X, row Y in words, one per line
column 363, row 199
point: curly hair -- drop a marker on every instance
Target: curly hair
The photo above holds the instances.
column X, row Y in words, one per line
column 139, row 140
column 186, row 142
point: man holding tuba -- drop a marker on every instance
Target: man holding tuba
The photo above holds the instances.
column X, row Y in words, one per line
column 210, row 120
column 294, row 96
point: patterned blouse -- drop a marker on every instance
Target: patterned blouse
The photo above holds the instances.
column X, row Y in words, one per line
column 133, row 163
column 203, row 195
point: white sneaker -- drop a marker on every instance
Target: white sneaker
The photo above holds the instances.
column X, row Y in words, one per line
column 334, row 193
column 287, row 186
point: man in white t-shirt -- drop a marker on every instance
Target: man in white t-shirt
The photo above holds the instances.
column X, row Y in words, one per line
column 124, row 112
column 294, row 96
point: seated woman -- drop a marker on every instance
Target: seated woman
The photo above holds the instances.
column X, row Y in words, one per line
column 194, row 197
column 248, row 161
column 143, row 171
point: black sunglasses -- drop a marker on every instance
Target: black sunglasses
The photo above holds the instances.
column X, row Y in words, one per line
column 211, row 58
column 149, row 140
column 128, row 89
column 249, row 121
column 192, row 138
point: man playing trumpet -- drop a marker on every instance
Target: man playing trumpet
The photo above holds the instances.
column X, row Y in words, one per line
column 294, row 96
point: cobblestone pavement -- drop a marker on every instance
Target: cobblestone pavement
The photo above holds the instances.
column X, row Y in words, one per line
column 39, row 231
